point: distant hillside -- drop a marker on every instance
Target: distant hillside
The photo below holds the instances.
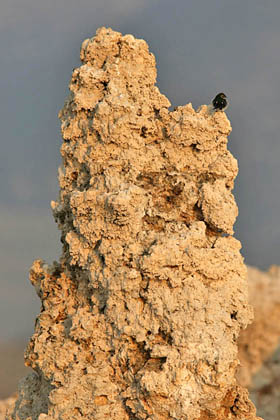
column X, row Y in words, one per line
column 11, row 366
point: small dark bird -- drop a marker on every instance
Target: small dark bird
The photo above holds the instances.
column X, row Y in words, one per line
column 220, row 102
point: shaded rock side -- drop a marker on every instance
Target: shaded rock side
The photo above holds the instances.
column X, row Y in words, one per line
column 141, row 316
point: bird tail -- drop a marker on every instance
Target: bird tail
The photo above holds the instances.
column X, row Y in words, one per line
column 211, row 110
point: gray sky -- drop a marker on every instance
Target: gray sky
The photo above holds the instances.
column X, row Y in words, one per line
column 202, row 47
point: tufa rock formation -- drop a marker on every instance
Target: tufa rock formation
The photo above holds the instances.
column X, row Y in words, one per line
column 141, row 316
column 265, row 389
column 258, row 344
column 261, row 338
column 6, row 405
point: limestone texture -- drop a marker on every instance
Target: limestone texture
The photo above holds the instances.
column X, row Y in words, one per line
column 140, row 317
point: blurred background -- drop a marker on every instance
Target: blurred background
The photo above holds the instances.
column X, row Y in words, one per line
column 201, row 48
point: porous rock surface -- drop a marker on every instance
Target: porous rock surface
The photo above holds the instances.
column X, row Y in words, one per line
column 141, row 316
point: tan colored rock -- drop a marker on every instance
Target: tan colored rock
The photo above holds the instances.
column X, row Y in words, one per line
column 6, row 406
column 140, row 319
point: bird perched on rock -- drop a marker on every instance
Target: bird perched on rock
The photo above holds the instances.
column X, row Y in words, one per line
column 220, row 102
